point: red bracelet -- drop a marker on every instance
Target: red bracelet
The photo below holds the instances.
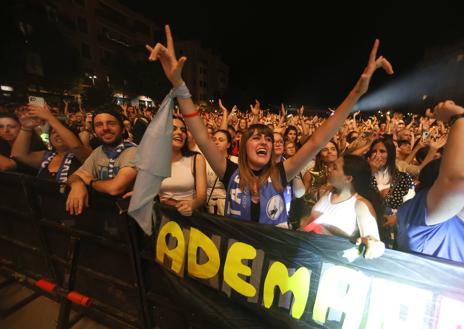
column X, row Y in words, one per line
column 190, row 115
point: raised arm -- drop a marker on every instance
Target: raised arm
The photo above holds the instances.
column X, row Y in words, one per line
column 173, row 70
column 445, row 198
column 21, row 146
column 72, row 141
column 225, row 116
column 328, row 129
column 304, row 127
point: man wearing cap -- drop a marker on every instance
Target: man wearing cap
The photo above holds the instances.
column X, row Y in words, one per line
column 110, row 168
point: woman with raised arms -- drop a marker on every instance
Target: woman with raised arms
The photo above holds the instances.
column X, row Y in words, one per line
column 255, row 186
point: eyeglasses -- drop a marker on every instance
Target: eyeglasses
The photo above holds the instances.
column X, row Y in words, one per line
column 8, row 126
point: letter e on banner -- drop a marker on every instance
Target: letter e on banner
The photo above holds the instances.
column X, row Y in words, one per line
column 234, row 266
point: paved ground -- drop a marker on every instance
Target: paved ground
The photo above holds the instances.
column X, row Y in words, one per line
column 41, row 313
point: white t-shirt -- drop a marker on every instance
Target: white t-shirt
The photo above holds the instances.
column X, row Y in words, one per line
column 339, row 216
column 181, row 184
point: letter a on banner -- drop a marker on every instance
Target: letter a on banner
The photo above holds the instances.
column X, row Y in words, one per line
column 177, row 254
column 341, row 289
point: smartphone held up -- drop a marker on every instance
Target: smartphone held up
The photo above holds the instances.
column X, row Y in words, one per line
column 36, row 101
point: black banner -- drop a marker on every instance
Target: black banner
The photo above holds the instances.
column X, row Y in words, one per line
column 212, row 272
column 296, row 279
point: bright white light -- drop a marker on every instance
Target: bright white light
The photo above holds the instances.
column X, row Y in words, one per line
column 6, row 88
column 434, row 79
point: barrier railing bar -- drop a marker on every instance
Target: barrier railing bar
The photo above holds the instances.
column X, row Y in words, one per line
column 21, row 244
column 116, row 245
column 99, row 311
column 96, row 274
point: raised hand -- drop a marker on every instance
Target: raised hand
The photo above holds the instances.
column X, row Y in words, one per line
column 166, row 55
column 27, row 121
column 222, row 107
column 439, row 143
column 283, row 111
column 372, row 65
column 42, row 112
column 375, row 162
column 301, row 111
column 255, row 110
column 443, row 111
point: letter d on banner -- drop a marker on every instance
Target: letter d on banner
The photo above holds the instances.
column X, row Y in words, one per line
column 198, row 240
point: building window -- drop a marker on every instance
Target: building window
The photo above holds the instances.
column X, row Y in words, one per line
column 112, row 15
column 80, row 2
column 82, row 24
column 141, row 27
column 51, row 13
column 68, row 22
column 106, row 57
column 85, row 51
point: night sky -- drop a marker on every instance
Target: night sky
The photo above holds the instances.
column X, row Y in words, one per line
column 287, row 52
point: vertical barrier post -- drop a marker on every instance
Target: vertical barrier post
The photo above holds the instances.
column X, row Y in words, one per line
column 68, row 284
column 137, row 270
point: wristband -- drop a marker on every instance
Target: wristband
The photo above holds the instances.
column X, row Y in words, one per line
column 181, row 91
column 191, row 115
column 454, row 118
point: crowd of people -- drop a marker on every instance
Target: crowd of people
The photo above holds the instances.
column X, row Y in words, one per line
column 394, row 181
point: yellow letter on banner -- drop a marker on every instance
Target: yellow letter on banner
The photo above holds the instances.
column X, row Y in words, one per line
column 298, row 284
column 177, row 254
column 234, row 266
column 211, row 267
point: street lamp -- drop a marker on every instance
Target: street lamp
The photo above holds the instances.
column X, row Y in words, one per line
column 93, row 77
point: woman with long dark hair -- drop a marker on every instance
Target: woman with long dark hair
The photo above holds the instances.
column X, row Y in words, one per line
column 185, row 189
column 395, row 187
column 315, row 179
column 352, row 208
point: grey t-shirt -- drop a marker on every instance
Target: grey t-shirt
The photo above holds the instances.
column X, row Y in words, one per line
column 96, row 164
